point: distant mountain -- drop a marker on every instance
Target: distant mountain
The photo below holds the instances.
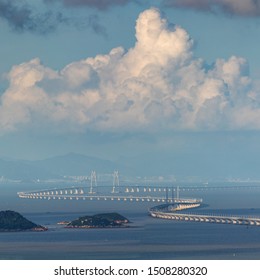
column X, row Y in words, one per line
column 23, row 170
column 55, row 167
column 177, row 165
column 75, row 164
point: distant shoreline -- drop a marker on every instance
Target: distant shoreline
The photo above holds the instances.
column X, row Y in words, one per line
column 40, row 229
column 97, row 227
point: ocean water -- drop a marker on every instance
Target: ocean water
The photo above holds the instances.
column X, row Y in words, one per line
column 147, row 237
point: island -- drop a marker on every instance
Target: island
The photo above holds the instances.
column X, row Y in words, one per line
column 13, row 221
column 106, row 220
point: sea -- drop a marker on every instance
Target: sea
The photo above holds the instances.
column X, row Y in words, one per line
column 146, row 238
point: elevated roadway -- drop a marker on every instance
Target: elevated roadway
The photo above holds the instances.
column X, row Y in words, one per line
column 169, row 209
column 166, row 211
column 129, row 194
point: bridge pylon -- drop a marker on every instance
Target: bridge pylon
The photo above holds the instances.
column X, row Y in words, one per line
column 116, row 187
column 178, row 192
column 169, row 194
column 93, row 182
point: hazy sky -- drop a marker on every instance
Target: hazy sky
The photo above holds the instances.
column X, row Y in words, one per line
column 113, row 79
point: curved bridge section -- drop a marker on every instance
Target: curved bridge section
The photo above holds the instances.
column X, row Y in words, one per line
column 163, row 212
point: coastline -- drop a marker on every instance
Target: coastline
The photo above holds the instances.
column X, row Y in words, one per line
column 97, row 227
column 37, row 229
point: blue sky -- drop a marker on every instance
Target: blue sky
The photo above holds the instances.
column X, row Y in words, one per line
column 113, row 79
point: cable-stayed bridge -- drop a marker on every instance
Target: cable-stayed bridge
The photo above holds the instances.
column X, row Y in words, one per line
column 170, row 209
column 137, row 194
column 168, row 198
column 117, row 193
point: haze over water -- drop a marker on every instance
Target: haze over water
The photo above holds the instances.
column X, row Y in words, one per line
column 147, row 238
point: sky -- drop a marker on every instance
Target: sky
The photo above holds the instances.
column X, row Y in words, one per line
column 170, row 80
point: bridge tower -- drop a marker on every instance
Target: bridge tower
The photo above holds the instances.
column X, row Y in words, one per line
column 93, row 181
column 115, row 182
column 167, row 194
column 172, row 195
column 169, row 198
column 178, row 192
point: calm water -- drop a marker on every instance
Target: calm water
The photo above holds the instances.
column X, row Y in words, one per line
column 147, row 238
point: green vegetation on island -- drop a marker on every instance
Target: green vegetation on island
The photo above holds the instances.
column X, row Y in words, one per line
column 99, row 221
column 13, row 221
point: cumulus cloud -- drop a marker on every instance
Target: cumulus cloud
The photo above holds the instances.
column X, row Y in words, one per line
column 245, row 8
column 156, row 85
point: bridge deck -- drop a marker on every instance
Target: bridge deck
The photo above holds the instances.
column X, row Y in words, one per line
column 110, row 196
column 128, row 194
column 162, row 213
column 144, row 194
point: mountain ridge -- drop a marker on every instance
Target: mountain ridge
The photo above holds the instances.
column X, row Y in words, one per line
column 56, row 167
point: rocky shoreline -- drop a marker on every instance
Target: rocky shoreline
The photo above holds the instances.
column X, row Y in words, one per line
column 11, row 221
column 106, row 220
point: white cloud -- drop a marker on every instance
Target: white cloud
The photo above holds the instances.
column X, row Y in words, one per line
column 157, row 84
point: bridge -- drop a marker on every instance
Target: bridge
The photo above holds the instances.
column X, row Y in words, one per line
column 137, row 194
column 167, row 211
column 170, row 209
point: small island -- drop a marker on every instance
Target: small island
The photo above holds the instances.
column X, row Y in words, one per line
column 106, row 220
column 13, row 221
